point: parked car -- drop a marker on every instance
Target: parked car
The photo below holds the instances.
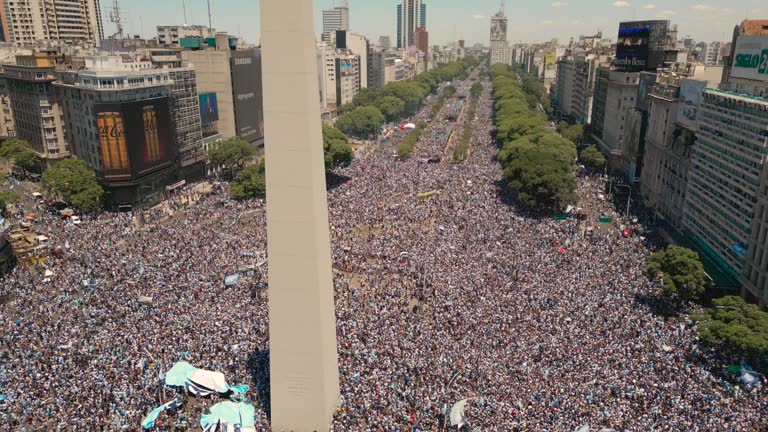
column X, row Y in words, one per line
column 75, row 220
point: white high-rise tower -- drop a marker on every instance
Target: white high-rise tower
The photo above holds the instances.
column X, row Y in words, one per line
column 501, row 52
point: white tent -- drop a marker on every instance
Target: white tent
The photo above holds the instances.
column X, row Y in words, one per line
column 410, row 126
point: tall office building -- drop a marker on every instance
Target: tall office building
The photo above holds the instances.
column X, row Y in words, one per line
column 385, row 42
column 501, row 52
column 421, row 39
column 234, row 77
column 411, row 14
column 72, row 21
column 335, row 19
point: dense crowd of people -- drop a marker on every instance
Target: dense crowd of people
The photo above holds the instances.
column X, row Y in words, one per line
column 456, row 295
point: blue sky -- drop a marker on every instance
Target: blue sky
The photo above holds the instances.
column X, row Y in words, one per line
column 529, row 21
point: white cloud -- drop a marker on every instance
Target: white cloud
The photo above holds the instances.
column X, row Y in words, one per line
column 478, row 17
column 666, row 14
column 559, row 4
column 547, row 22
column 575, row 22
column 620, row 4
column 649, row 6
column 704, row 8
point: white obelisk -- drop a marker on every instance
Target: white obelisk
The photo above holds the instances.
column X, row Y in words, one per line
column 304, row 369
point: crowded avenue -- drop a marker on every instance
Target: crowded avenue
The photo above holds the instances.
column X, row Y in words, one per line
column 440, row 297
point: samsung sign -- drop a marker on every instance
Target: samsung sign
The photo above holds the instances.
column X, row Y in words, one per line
column 751, row 59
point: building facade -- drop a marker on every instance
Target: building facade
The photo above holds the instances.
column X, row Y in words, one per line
column 7, row 128
column 501, row 52
column 411, row 14
column 120, row 124
column 576, row 87
column 615, row 94
column 170, row 36
column 70, row 21
column 37, row 110
column 726, row 172
column 234, row 76
column 334, row 19
column 339, row 76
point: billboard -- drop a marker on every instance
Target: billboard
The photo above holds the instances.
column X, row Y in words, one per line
column 209, row 108
column 246, row 86
column 689, row 101
column 632, row 49
column 751, row 58
column 135, row 137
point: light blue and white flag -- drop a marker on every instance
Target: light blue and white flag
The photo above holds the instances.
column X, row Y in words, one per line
column 749, row 376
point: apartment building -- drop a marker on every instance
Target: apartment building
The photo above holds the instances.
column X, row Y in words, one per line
column 70, row 21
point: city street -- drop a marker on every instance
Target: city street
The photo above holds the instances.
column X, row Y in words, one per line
column 440, row 297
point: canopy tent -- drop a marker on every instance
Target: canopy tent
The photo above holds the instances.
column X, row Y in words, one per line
column 200, row 382
column 67, row 212
column 409, row 126
column 231, row 279
column 230, row 417
column 146, row 301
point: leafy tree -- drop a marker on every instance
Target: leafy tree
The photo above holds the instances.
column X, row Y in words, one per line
column 348, row 107
column 249, row 183
column 72, row 180
column 232, row 153
column 734, row 326
column 7, row 197
column 20, row 152
column 592, row 158
column 546, row 104
column 476, row 90
column 336, row 148
column 410, row 92
column 681, row 271
column 366, row 96
column 574, row 132
column 361, row 122
column 391, row 107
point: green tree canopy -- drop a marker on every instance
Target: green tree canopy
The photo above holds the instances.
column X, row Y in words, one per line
column 366, row 96
column 7, row 197
column 574, row 132
column 681, row 271
column 735, row 326
column 73, row 181
column 232, row 153
column 592, row 158
column 391, row 107
column 476, row 90
column 336, row 148
column 249, row 183
column 537, row 162
column 410, row 92
column 362, row 122
column 20, row 152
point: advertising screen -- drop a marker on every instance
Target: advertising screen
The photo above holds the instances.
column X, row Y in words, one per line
column 689, row 101
column 209, row 108
column 246, row 83
column 632, row 49
column 751, row 58
column 136, row 137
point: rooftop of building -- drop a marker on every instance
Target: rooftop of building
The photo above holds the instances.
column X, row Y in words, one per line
column 740, row 96
column 754, row 27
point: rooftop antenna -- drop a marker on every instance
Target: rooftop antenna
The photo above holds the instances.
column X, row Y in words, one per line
column 184, row 7
column 502, row 6
column 210, row 20
column 116, row 18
